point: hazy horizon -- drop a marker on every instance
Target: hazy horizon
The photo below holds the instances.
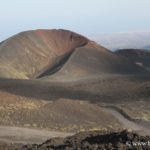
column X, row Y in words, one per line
column 86, row 17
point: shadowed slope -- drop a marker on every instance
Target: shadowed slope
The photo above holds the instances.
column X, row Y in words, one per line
column 93, row 60
column 59, row 55
column 28, row 54
column 137, row 56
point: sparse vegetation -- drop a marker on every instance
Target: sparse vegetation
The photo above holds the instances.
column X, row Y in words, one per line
column 59, row 80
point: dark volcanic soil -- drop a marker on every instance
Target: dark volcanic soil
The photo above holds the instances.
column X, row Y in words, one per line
column 93, row 140
column 57, row 79
column 137, row 56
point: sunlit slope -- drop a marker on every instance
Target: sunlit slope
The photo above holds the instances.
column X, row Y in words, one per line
column 93, row 60
column 27, row 54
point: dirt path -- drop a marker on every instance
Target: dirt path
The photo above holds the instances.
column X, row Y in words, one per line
column 26, row 135
column 128, row 124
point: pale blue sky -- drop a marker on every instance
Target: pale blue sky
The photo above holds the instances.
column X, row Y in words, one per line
column 84, row 16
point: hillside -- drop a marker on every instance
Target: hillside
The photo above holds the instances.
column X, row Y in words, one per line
column 60, row 53
column 27, row 54
column 137, row 56
column 53, row 115
column 93, row 60
column 58, row 80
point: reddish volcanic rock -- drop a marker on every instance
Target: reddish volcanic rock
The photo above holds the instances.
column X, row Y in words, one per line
column 61, row 41
column 28, row 53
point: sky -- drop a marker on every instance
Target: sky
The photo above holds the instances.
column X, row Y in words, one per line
column 87, row 17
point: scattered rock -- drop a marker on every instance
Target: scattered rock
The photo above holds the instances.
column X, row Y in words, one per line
column 92, row 140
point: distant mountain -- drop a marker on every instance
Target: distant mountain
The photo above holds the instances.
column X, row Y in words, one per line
column 147, row 47
column 137, row 56
column 135, row 40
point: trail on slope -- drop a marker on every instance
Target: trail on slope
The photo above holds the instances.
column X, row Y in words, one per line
column 26, row 135
column 126, row 121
